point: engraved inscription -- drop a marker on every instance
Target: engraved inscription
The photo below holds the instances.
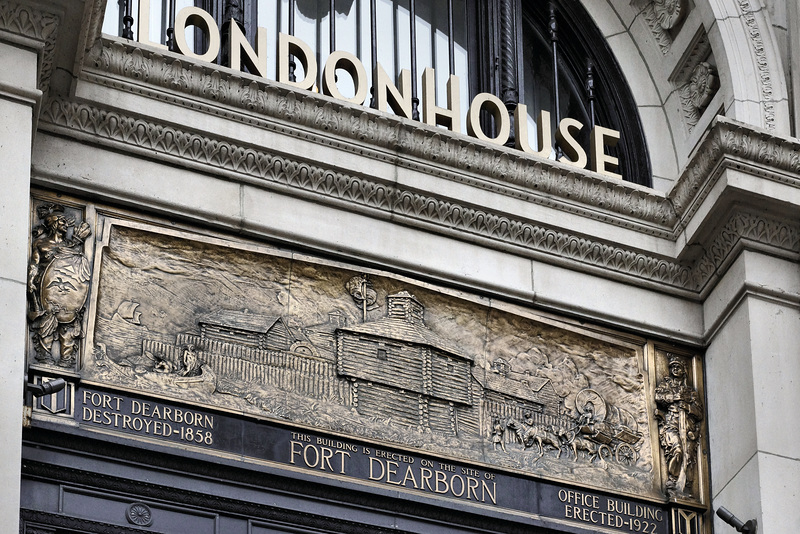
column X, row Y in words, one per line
column 146, row 418
column 370, row 355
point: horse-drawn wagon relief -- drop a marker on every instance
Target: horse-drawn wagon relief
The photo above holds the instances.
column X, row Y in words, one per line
column 368, row 354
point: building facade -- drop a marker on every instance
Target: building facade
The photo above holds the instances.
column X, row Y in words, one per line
column 399, row 266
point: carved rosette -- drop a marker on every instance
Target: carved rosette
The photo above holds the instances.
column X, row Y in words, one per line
column 139, row 514
column 58, row 284
column 698, row 92
column 669, row 12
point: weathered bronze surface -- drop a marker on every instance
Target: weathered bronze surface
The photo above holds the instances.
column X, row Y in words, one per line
column 58, row 284
column 240, row 327
column 369, row 355
column 679, row 415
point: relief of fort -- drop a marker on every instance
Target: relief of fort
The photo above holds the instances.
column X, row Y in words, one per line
column 362, row 355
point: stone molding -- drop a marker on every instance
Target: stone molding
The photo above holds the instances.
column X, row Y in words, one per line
column 741, row 227
column 171, row 495
column 35, row 24
column 733, row 143
column 119, row 64
column 753, row 31
column 380, row 199
column 413, row 208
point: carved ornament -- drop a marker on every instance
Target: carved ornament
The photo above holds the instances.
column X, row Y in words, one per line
column 669, row 12
column 58, row 285
column 28, row 22
column 264, row 103
column 697, row 93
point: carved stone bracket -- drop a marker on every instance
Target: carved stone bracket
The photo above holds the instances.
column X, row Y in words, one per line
column 697, row 93
column 453, row 218
column 728, row 139
column 31, row 23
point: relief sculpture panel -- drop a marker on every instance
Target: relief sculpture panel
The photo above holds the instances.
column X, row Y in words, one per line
column 278, row 336
column 58, row 283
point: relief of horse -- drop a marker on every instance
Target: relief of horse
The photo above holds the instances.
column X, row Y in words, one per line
column 535, row 434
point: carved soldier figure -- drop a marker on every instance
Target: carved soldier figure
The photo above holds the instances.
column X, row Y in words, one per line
column 498, row 430
column 679, row 412
column 58, row 283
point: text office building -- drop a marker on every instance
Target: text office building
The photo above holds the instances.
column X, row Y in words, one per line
column 397, row 266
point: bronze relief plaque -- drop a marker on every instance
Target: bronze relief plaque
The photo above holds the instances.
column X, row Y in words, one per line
column 324, row 346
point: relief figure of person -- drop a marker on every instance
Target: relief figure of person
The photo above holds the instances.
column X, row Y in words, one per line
column 679, row 414
column 58, row 283
column 498, row 431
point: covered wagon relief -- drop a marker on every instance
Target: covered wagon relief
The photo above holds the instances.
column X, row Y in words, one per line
column 283, row 337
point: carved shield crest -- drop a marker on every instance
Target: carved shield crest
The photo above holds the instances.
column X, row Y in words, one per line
column 65, row 286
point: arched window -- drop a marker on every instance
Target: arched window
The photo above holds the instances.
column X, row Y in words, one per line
column 591, row 86
column 547, row 55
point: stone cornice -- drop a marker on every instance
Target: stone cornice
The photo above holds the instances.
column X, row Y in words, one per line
column 36, row 24
column 730, row 143
column 253, row 165
column 158, row 74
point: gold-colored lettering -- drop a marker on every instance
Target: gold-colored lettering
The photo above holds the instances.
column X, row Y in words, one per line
column 289, row 45
column 409, row 476
column 544, row 132
column 425, row 475
column 453, row 485
column 305, row 455
column 144, row 25
column 441, row 483
column 449, row 117
column 472, row 486
column 342, row 455
column 389, row 96
column 391, row 469
column 350, row 64
column 194, row 16
column 254, row 60
column 497, row 109
column 492, row 493
column 573, row 152
column 372, row 462
column 600, row 161
column 296, row 450
column 325, row 458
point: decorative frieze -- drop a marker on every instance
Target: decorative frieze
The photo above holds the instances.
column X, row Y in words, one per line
column 764, row 75
column 32, row 23
column 266, row 104
column 456, row 219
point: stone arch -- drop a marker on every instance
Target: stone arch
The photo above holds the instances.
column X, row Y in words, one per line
column 664, row 68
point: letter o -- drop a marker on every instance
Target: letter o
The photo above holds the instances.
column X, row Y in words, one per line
column 305, row 456
column 194, row 16
column 498, row 110
column 562, row 495
column 354, row 67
